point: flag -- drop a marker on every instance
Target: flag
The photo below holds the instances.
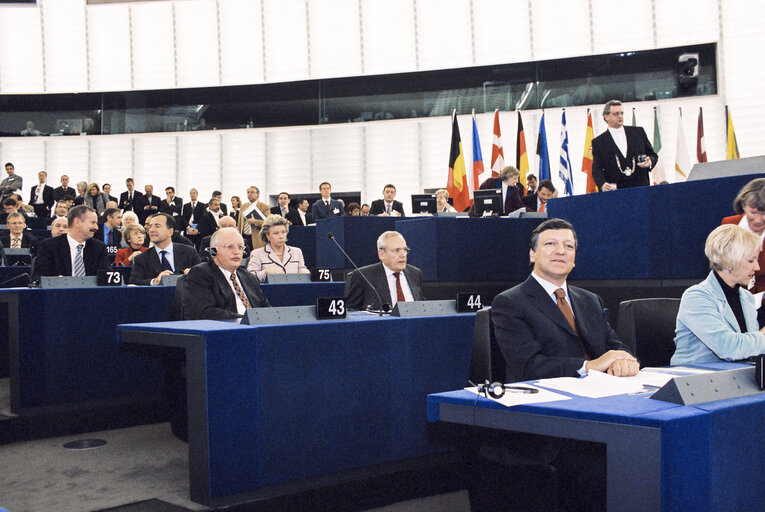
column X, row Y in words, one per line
column 457, row 184
column 587, row 158
column 564, row 169
column 634, row 121
column 732, row 150
column 521, row 157
column 657, row 173
column 477, row 158
column 544, row 156
column 701, row 148
column 497, row 154
column 682, row 162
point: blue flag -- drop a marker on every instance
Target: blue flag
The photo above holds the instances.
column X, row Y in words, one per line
column 564, row 169
column 544, row 157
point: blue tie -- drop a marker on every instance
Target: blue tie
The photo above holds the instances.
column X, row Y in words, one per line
column 165, row 262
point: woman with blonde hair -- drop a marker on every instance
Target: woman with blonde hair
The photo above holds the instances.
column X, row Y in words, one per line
column 95, row 198
column 276, row 257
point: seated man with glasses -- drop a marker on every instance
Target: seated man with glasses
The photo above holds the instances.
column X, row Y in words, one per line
column 392, row 278
column 221, row 289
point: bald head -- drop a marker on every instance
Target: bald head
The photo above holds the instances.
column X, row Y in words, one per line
column 226, row 222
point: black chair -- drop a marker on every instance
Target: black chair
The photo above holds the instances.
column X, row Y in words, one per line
column 486, row 362
column 177, row 311
column 647, row 327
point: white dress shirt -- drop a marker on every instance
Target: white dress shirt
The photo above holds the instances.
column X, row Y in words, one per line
column 392, row 286
column 239, row 304
column 620, row 138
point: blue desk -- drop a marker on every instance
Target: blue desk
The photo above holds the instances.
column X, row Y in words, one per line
column 357, row 235
column 292, row 406
column 304, row 237
column 60, row 346
column 660, row 456
column 449, row 249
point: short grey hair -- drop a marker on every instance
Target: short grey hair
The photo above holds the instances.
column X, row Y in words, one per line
column 509, row 172
column 382, row 240
column 442, row 192
column 215, row 236
column 271, row 221
column 609, row 104
column 728, row 245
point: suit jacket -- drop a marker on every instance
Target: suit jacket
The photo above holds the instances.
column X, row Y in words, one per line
column 10, row 185
column 129, row 206
column 537, row 340
column 207, row 225
column 320, row 210
column 116, row 235
column 294, row 217
column 60, row 192
column 515, row 197
column 607, row 159
column 256, row 242
column 208, row 296
column 42, row 210
column 198, row 211
column 530, row 201
column 54, row 259
column 277, row 210
column 759, row 276
column 122, row 257
column 378, row 206
column 28, row 241
column 707, row 329
column 175, row 210
column 146, row 266
column 360, row 296
column 264, row 258
column 140, row 207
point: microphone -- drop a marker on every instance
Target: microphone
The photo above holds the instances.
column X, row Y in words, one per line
column 384, row 307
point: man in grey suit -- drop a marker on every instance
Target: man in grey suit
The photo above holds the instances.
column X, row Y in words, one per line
column 10, row 184
column 392, row 278
column 165, row 257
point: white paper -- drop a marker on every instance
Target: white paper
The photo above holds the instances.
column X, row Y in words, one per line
column 516, row 214
column 510, row 398
column 594, row 385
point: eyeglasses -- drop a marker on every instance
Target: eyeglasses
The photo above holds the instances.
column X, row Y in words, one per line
column 399, row 250
column 231, row 247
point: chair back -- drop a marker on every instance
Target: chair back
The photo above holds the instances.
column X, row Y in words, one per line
column 647, row 327
column 487, row 362
column 177, row 311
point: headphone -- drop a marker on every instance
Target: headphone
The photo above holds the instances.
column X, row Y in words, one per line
column 213, row 251
column 494, row 389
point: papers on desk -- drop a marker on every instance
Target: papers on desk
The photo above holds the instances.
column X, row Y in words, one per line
column 510, row 398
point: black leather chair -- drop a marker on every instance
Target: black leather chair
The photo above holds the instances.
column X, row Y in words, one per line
column 486, row 362
column 177, row 311
column 647, row 326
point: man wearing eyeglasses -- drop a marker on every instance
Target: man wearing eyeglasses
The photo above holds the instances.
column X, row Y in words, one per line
column 222, row 289
column 622, row 157
column 392, row 278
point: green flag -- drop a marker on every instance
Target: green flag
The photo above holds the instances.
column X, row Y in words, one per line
column 657, row 173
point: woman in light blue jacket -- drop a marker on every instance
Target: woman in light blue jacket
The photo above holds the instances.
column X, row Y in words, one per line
column 717, row 318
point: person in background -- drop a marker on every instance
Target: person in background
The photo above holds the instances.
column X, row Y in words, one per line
column 10, row 184
column 301, row 217
column 508, row 182
column 82, row 187
column 442, row 202
column 107, row 189
column 749, row 206
column 17, row 237
column 96, row 199
column 365, row 210
column 165, row 257
column 59, row 226
column 64, row 189
column 236, row 207
column 531, row 184
column 283, row 208
column 41, row 196
column 387, row 206
column 276, row 257
column 353, row 209
column 134, row 236
column 537, row 202
column 326, row 206
column 30, row 130
column 129, row 197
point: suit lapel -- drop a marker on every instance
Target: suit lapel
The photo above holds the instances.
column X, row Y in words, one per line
column 416, row 292
column 67, row 254
column 545, row 304
column 223, row 287
column 381, row 283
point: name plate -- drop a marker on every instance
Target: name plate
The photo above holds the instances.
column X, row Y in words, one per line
column 110, row 278
column 170, row 280
column 470, row 301
column 321, row 274
column 287, row 278
column 330, row 308
column 49, row 282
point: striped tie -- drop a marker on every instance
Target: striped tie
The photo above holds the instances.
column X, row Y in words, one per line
column 79, row 264
column 239, row 291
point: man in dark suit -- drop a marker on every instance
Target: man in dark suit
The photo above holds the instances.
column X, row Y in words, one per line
column 129, row 198
column 622, row 157
column 392, row 278
column 217, row 194
column 326, row 206
column 388, row 206
column 283, row 208
column 17, row 237
column 58, row 256
column 108, row 231
column 107, row 189
column 537, row 202
column 173, row 206
column 300, row 217
column 166, row 257
column 221, row 289
column 64, row 190
column 192, row 212
column 41, row 196
column 147, row 205
column 208, row 224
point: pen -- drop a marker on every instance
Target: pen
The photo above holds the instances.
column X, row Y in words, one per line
column 521, row 389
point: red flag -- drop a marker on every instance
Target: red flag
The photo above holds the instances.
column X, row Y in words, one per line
column 587, row 158
column 497, row 154
column 701, row 149
column 457, row 184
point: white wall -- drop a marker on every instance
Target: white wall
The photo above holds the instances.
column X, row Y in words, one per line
column 69, row 46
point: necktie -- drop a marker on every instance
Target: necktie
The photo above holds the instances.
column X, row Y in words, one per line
column 560, row 295
column 387, row 210
column 109, row 242
column 165, row 262
column 327, row 203
column 542, row 207
column 79, row 264
column 16, row 243
column 239, row 291
column 399, row 291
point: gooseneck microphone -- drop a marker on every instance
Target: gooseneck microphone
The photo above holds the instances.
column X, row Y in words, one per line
column 384, row 307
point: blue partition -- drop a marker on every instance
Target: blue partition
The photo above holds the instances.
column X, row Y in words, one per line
column 449, row 249
column 653, row 232
column 357, row 235
column 304, row 237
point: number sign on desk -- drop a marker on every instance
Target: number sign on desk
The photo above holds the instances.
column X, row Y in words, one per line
column 328, row 308
column 110, row 278
column 321, row 274
column 470, row 301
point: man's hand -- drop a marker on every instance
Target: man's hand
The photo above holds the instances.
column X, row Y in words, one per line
column 627, row 365
column 186, row 270
column 645, row 163
column 192, row 231
column 157, row 279
column 608, row 186
column 251, row 221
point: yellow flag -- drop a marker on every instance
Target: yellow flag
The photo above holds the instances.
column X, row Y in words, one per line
column 732, row 150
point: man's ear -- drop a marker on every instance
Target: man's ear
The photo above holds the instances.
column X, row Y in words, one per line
column 532, row 255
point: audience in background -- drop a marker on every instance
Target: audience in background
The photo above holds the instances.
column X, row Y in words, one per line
column 59, row 226
column 96, row 199
column 283, row 208
column 253, row 215
column 353, row 210
column 326, row 206
column 387, row 206
column 129, row 197
column 442, row 202
column 41, row 196
column 301, row 217
column 17, row 237
column 12, row 183
column 64, row 189
column 133, row 235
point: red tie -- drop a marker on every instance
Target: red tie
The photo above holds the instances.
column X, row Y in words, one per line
column 541, row 207
column 399, row 291
column 327, row 203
